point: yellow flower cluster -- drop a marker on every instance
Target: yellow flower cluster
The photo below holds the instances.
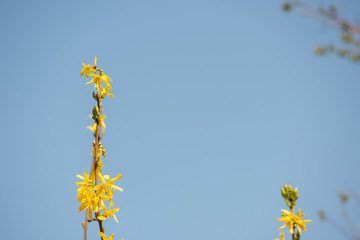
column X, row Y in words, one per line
column 293, row 221
column 98, row 77
column 91, row 70
column 95, row 188
column 92, row 196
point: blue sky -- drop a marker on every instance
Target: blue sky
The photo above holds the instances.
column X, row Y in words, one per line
column 217, row 105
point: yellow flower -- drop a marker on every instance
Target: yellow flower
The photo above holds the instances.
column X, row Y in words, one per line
column 109, row 182
column 105, row 91
column 292, row 220
column 86, row 70
column 105, row 238
column 108, row 214
column 110, row 187
column 86, row 196
column 101, row 122
column 92, row 128
column 92, row 196
column 98, row 79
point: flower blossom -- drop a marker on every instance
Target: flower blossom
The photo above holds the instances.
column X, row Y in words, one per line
column 292, row 220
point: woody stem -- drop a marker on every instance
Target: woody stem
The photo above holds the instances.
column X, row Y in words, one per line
column 95, row 160
column 85, row 225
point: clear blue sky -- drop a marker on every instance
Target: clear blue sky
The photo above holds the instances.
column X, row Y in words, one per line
column 218, row 103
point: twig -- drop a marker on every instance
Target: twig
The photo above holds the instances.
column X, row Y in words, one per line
column 325, row 17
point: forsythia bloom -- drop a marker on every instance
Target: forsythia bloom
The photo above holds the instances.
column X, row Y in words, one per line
column 292, row 220
column 92, row 196
column 105, row 238
column 101, row 122
column 98, row 79
column 95, row 188
column 86, row 70
column 108, row 213
column 105, row 91
column 92, row 128
column 90, row 70
column 109, row 183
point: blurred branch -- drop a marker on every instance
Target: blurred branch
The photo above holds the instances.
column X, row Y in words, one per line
column 350, row 232
column 344, row 197
column 330, row 17
column 327, row 16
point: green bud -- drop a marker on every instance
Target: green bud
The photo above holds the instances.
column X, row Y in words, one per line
column 96, row 113
column 290, row 195
column 283, row 193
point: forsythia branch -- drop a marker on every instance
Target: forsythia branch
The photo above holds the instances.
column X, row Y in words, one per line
column 93, row 193
column 290, row 219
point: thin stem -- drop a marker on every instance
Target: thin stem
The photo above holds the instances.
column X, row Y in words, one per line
column 293, row 235
column 95, row 165
column 95, row 160
column 294, row 225
column 100, row 226
column 322, row 15
column 85, row 225
column 339, row 228
column 348, row 221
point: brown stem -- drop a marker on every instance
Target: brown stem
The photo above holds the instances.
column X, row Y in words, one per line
column 293, row 235
column 85, row 225
column 95, row 164
column 100, row 226
column 95, row 160
column 292, row 206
